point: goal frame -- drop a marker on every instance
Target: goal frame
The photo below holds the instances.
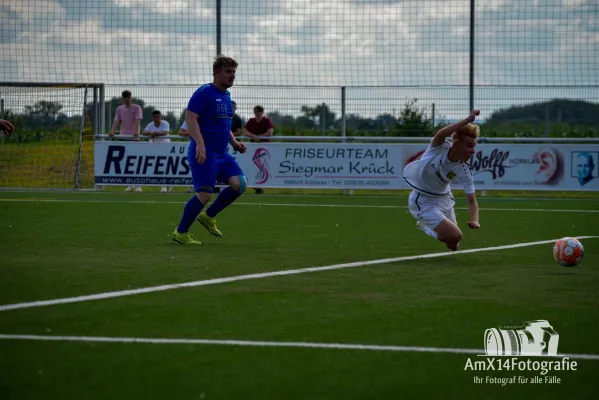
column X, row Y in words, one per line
column 97, row 97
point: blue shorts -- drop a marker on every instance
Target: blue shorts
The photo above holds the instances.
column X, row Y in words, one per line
column 217, row 167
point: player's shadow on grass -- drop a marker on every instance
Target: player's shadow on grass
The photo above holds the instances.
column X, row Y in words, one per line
column 205, row 243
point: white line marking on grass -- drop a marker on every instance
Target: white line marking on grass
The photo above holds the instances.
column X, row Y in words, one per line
column 122, row 293
column 289, row 205
column 405, row 207
column 100, row 193
column 252, row 343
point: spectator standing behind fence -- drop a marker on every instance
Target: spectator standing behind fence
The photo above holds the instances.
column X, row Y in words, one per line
column 183, row 130
column 128, row 116
column 157, row 130
column 259, row 129
column 236, row 122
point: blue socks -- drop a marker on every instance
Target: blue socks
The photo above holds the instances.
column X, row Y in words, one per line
column 190, row 212
column 194, row 207
column 224, row 199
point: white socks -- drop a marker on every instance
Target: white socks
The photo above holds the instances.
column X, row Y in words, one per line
column 430, row 232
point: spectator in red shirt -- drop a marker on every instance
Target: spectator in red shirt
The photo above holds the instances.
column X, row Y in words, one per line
column 259, row 128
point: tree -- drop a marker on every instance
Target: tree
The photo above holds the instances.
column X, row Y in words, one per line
column 43, row 113
column 559, row 110
column 386, row 121
column 355, row 122
column 321, row 113
column 414, row 121
column 279, row 119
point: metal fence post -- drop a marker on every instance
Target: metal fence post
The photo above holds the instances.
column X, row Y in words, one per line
column 471, row 55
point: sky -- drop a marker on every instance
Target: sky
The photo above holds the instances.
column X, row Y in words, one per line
column 404, row 48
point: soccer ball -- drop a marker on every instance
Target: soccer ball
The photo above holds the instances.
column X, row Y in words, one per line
column 568, row 252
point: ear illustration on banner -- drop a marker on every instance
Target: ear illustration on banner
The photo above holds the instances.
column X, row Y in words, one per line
column 551, row 166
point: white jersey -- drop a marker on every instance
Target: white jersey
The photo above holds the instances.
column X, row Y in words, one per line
column 164, row 126
column 433, row 173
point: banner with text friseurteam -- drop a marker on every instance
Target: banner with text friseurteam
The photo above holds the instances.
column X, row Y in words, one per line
column 325, row 165
column 358, row 166
column 275, row 165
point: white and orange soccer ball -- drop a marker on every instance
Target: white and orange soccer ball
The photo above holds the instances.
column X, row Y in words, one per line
column 568, row 252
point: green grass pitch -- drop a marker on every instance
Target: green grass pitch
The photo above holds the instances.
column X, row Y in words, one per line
column 57, row 245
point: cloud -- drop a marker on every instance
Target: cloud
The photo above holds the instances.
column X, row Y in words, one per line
column 303, row 43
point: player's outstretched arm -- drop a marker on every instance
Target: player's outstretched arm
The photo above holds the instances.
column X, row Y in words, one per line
column 444, row 133
column 473, row 210
column 7, row 126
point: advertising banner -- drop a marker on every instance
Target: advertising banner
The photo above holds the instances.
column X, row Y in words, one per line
column 352, row 166
column 280, row 165
column 326, row 165
column 529, row 166
column 141, row 164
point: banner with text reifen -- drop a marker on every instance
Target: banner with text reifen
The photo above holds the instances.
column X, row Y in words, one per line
column 353, row 166
column 274, row 165
column 141, row 164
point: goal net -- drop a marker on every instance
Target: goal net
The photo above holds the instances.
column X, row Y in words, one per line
column 52, row 146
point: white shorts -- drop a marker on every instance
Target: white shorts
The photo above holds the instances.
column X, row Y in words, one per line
column 431, row 210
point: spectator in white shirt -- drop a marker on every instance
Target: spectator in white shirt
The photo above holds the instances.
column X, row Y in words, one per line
column 156, row 132
column 183, row 131
column 157, row 128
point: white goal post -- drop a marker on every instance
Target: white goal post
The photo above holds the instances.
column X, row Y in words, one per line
column 55, row 125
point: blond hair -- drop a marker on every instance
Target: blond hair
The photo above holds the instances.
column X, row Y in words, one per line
column 469, row 130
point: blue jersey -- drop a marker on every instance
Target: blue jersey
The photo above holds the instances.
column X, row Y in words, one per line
column 215, row 112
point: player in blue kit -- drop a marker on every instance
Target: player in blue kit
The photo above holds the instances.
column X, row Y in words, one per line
column 208, row 117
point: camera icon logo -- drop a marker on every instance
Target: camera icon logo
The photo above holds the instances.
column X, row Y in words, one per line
column 536, row 338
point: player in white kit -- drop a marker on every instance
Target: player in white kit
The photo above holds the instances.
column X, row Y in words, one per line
column 444, row 163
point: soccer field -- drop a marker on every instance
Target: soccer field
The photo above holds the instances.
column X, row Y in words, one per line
column 392, row 316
